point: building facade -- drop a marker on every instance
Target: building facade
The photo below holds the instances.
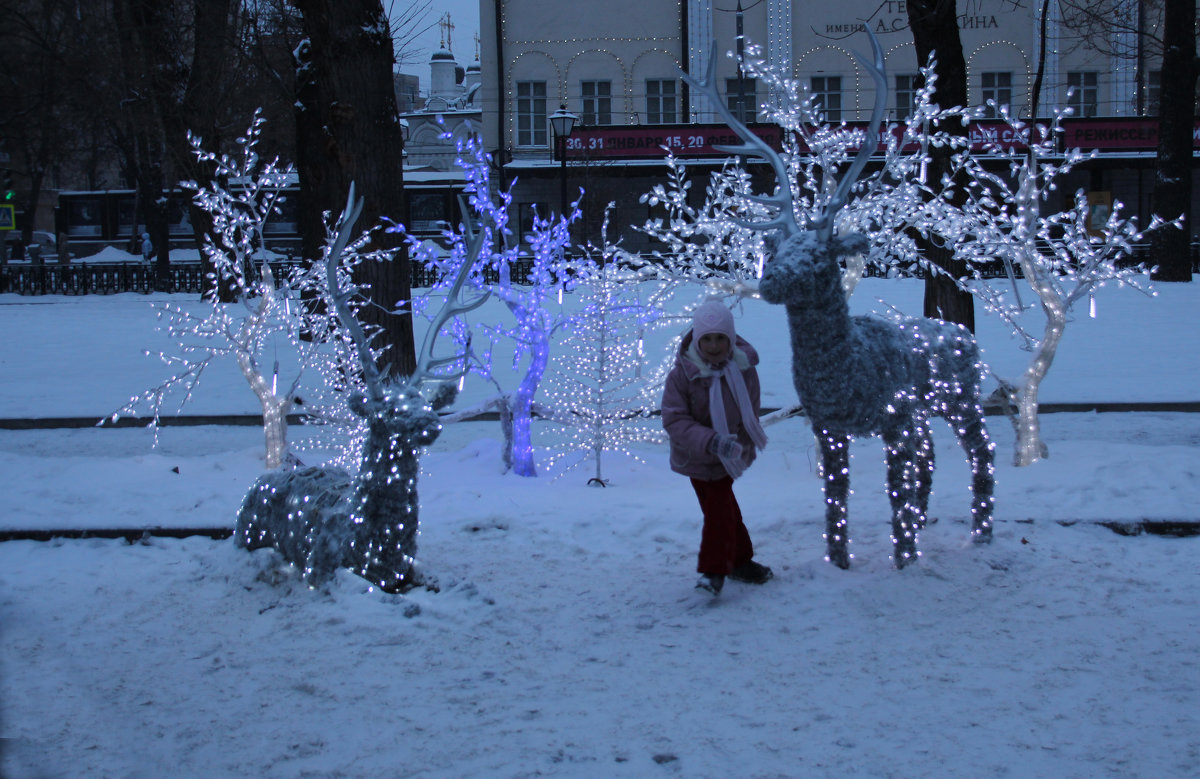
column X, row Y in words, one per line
column 617, row 66
column 449, row 113
column 433, row 128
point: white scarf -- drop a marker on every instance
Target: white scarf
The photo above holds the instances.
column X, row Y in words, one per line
column 732, row 373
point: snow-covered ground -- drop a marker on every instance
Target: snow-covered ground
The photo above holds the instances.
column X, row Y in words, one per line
column 566, row 638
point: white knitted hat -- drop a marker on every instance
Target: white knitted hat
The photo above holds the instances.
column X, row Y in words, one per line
column 713, row 317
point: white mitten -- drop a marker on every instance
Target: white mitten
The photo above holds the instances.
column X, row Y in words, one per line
column 726, row 447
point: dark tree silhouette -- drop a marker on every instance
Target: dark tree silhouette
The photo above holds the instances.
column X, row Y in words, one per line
column 1150, row 32
column 934, row 25
column 42, row 49
column 141, row 28
column 348, row 130
column 1172, row 195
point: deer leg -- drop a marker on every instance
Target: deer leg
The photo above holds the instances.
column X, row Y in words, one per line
column 251, row 531
column 835, row 466
column 903, row 485
column 925, row 466
column 981, row 452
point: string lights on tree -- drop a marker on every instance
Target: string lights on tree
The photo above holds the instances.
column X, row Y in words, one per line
column 599, row 388
column 261, row 321
column 1063, row 257
column 711, row 245
column 534, row 301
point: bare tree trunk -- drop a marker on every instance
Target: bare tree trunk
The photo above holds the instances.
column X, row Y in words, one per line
column 213, row 48
column 1172, row 195
column 137, row 23
column 190, row 98
column 934, row 25
column 348, row 130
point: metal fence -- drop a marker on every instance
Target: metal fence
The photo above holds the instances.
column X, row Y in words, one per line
column 107, row 278
column 98, row 278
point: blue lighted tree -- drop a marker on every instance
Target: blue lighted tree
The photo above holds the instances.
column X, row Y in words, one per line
column 534, row 300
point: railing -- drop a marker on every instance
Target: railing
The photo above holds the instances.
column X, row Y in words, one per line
column 107, row 278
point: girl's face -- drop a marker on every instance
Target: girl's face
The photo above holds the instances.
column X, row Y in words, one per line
column 714, row 347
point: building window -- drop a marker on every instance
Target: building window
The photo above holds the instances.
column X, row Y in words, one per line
column 662, row 106
column 741, row 95
column 597, row 102
column 1084, row 93
column 427, row 212
column 84, row 217
column 827, row 96
column 531, row 113
column 1153, row 92
column 996, row 87
column 906, row 95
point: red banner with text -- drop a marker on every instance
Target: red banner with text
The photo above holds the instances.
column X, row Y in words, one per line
column 703, row 140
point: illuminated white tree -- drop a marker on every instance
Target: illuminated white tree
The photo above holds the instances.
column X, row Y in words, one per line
column 1063, row 257
column 262, row 320
column 601, row 388
column 703, row 245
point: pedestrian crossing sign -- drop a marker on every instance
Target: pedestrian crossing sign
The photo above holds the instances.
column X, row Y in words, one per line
column 8, row 219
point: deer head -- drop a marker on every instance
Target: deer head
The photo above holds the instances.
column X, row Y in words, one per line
column 401, row 410
column 800, row 254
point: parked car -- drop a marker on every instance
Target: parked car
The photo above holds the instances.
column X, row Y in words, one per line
column 44, row 241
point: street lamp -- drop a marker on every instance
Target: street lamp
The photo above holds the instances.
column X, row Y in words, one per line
column 562, row 122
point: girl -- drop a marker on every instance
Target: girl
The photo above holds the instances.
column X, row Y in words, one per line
column 710, row 408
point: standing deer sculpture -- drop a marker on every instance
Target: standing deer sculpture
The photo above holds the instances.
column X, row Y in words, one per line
column 860, row 375
column 321, row 519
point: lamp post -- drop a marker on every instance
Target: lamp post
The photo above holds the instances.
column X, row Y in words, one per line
column 741, row 73
column 562, row 122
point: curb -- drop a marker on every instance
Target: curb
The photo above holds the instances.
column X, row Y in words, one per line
column 129, row 534
column 255, row 420
column 1169, row 528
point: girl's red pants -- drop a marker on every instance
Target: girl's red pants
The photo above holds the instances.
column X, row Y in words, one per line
column 724, row 541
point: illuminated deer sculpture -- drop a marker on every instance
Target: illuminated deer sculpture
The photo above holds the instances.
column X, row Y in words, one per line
column 864, row 376
column 323, row 518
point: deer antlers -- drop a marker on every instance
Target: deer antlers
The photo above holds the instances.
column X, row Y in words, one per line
column 754, row 146
column 454, row 306
column 785, row 218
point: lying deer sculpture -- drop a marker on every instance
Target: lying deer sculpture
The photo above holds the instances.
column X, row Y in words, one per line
column 323, row 518
column 864, row 376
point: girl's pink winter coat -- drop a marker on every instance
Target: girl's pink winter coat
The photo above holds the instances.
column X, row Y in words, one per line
column 688, row 421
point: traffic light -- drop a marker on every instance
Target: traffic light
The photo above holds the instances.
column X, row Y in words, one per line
column 9, row 194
